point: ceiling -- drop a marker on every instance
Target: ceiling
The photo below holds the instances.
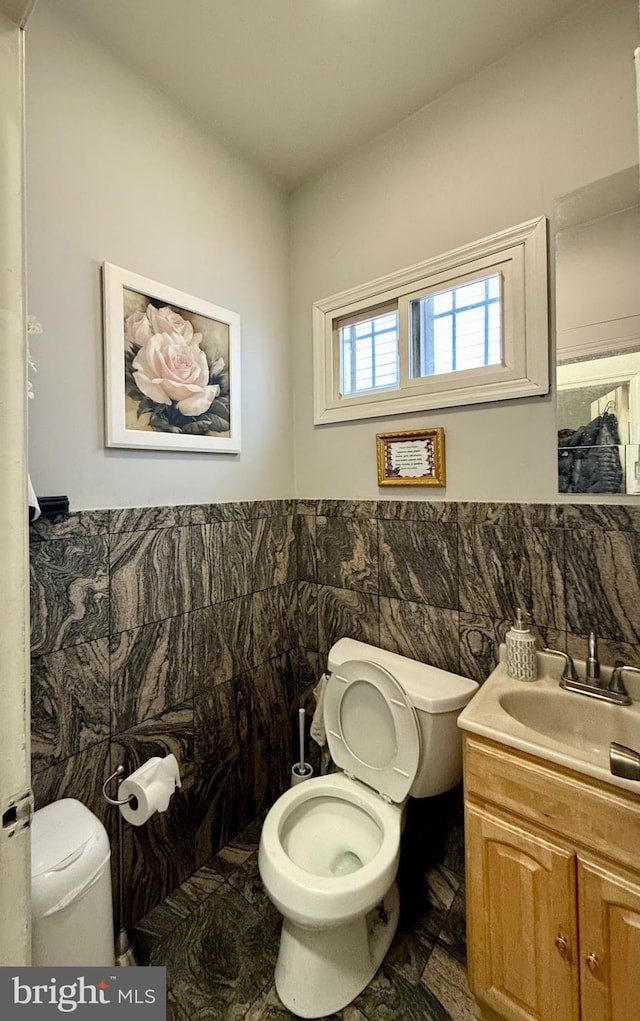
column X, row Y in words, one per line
column 294, row 84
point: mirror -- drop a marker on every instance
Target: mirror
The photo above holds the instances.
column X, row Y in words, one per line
column 597, row 263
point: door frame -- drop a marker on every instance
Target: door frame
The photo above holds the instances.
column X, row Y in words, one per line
column 15, row 776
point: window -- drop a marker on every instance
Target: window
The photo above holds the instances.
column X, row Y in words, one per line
column 369, row 352
column 458, row 328
column 465, row 327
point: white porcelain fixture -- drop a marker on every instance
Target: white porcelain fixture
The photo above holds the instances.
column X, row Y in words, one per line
column 561, row 726
column 330, row 847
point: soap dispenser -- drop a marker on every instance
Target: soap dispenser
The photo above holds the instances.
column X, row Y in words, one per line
column 522, row 661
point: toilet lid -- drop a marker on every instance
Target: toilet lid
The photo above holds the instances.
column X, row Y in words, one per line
column 372, row 728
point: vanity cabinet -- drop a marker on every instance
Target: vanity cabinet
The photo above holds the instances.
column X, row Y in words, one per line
column 553, row 890
column 609, row 913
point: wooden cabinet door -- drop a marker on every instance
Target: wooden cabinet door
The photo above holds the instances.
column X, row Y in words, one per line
column 521, row 922
column 609, row 911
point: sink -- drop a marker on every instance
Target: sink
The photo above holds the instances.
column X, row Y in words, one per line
column 542, row 719
column 581, row 723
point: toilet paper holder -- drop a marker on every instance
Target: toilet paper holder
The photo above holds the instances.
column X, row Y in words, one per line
column 119, row 772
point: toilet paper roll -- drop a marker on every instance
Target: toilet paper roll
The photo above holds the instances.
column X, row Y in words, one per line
column 301, row 771
column 150, row 788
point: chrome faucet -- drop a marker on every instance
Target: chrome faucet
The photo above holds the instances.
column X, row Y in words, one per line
column 593, row 667
column 615, row 691
column 624, row 761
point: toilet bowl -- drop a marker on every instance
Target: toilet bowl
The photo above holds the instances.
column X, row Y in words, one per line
column 330, row 847
column 329, row 851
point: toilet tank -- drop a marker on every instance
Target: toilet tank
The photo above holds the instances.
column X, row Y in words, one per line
column 438, row 696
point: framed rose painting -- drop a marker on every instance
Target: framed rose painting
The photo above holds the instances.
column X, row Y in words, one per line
column 172, row 368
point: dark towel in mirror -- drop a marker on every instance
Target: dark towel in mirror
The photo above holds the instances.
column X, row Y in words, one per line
column 589, row 458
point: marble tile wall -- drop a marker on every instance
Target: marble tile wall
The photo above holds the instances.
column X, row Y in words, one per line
column 196, row 630
column 441, row 581
column 161, row 630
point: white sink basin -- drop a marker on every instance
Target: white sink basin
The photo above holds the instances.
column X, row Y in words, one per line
column 543, row 719
column 585, row 724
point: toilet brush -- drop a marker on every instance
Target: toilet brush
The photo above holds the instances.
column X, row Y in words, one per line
column 301, row 770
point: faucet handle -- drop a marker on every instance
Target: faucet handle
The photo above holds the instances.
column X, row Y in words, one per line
column 569, row 671
column 617, row 680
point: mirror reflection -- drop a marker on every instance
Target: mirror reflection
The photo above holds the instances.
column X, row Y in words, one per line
column 598, row 336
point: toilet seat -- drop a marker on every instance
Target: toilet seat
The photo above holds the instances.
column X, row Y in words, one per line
column 372, row 728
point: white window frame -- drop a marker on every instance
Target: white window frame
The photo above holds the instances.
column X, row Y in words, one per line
column 520, row 255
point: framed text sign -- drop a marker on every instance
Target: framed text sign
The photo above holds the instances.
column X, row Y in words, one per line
column 411, row 458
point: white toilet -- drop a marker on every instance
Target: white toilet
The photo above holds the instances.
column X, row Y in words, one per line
column 330, row 847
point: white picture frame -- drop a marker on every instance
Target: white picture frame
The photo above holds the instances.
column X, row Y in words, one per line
column 171, row 368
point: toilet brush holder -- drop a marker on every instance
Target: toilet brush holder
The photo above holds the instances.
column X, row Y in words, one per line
column 301, row 770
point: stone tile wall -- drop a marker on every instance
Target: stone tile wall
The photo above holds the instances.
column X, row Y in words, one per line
column 165, row 630
column 441, row 581
column 195, row 630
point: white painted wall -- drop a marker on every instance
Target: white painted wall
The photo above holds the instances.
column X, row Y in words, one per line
column 117, row 173
column 551, row 117
column 599, row 270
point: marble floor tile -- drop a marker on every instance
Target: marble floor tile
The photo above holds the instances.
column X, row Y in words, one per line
column 191, row 894
column 246, row 880
column 219, row 941
column 410, row 950
column 268, row 1007
column 446, row 979
column 442, row 887
column 452, row 938
column 392, row 997
column 220, row 959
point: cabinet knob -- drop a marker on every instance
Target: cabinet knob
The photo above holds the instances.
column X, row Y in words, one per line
column 593, row 963
column 563, row 946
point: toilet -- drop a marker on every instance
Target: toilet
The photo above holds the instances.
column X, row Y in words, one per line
column 330, row 846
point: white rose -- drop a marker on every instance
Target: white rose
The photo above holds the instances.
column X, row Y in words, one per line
column 168, row 368
column 165, row 320
column 137, row 328
column 211, row 348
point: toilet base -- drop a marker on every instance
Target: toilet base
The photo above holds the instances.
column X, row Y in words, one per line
column 320, row 971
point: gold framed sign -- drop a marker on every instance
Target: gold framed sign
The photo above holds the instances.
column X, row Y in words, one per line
column 414, row 457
